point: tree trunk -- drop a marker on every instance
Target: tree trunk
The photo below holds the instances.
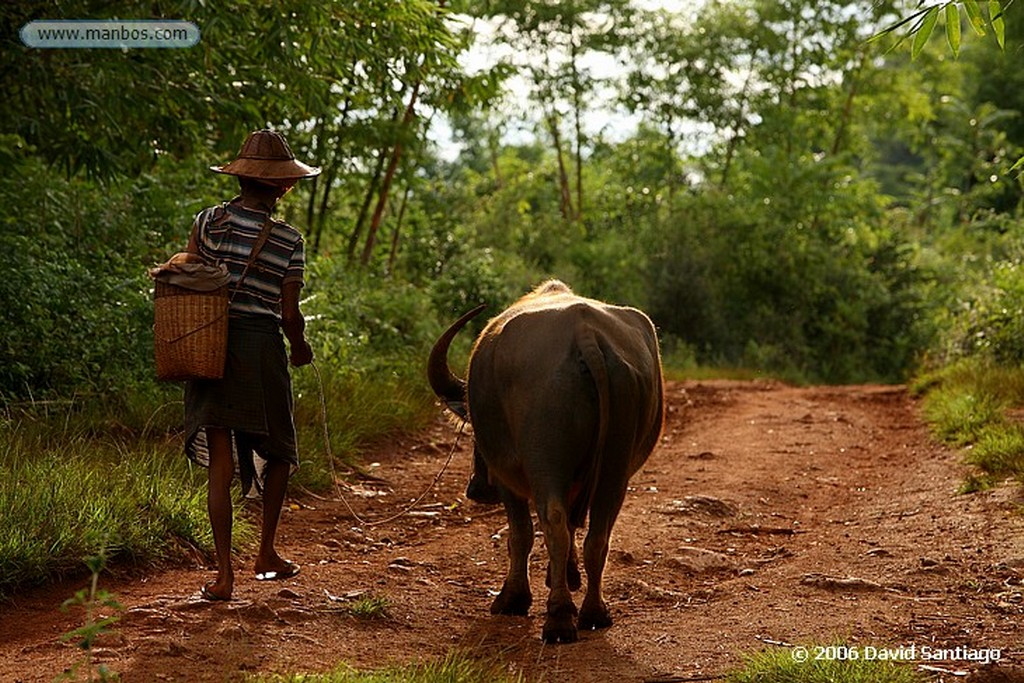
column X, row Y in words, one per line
column 332, row 173
column 364, row 209
column 398, row 229
column 673, row 176
column 565, row 195
column 389, row 176
column 730, row 150
column 493, row 142
column 577, row 107
column 311, row 204
column 844, row 119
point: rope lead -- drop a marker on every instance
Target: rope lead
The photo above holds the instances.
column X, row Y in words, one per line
column 334, row 476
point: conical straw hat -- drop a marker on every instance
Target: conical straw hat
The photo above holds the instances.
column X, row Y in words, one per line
column 265, row 155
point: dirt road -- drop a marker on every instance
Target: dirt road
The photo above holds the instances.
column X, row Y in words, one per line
column 769, row 515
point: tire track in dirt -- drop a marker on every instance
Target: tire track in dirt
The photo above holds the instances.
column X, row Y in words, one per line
column 767, row 514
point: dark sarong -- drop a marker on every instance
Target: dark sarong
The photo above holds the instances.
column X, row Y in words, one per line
column 253, row 400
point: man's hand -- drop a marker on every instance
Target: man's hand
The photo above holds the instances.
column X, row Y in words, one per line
column 302, row 354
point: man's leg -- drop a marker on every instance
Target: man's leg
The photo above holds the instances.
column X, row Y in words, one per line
column 218, row 505
column 275, row 485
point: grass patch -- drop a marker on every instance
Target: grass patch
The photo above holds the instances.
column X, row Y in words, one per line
column 81, row 481
column 370, row 607
column 999, row 450
column 363, row 606
column 960, row 414
column 971, row 404
column 64, row 499
column 453, row 667
column 778, row 665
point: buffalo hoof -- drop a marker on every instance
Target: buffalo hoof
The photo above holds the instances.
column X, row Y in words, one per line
column 592, row 619
column 560, row 626
column 512, row 603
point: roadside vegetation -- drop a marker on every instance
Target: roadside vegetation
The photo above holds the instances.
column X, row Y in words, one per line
column 68, row 496
column 976, row 404
column 455, row 667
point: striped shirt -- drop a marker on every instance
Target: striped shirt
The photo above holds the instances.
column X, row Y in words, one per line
column 226, row 234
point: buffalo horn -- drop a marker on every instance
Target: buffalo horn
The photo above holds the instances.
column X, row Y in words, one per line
column 443, row 381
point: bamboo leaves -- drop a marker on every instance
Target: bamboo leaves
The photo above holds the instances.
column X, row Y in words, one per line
column 953, row 29
column 995, row 13
column 924, row 19
column 974, row 17
column 924, row 32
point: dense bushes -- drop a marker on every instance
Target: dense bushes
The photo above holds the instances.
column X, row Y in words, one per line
column 989, row 318
column 77, row 300
column 777, row 275
column 75, row 293
column 972, row 380
column 811, row 291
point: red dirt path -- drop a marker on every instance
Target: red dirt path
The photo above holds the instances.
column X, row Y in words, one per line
column 768, row 514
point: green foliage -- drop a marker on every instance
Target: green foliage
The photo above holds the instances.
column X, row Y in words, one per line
column 361, row 409
column 787, row 296
column 93, row 601
column 356, row 318
column 778, row 665
column 455, row 666
column 370, row 336
column 772, row 247
column 924, row 32
column 989, row 321
column 953, row 29
column 77, row 279
column 254, row 64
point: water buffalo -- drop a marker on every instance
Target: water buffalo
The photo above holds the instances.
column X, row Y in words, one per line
column 565, row 396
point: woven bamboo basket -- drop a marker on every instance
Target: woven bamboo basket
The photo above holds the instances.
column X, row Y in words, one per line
column 191, row 332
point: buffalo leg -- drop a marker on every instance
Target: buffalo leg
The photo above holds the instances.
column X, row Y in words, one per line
column 560, row 625
column 572, row 571
column 605, row 509
column 515, row 597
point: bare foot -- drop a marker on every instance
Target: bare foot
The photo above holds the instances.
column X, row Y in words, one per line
column 217, row 590
column 275, row 568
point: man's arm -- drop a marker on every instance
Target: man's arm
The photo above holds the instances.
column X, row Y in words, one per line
column 294, row 325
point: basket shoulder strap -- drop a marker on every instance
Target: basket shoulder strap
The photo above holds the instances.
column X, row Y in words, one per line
column 268, row 226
